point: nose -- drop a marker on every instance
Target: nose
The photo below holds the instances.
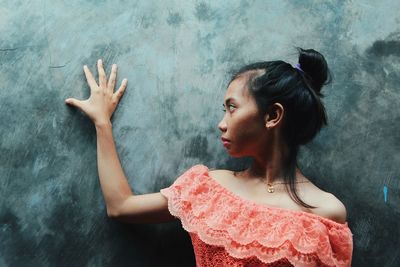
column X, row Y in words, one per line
column 222, row 125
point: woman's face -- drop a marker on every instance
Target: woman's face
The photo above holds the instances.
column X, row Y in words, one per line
column 242, row 124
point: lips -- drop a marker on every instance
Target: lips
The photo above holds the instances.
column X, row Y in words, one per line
column 224, row 139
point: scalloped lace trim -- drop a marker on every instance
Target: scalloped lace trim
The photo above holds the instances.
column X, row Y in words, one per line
column 246, row 229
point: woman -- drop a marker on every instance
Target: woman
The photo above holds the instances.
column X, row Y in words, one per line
column 266, row 215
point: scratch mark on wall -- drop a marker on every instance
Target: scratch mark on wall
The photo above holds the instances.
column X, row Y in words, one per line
column 385, row 192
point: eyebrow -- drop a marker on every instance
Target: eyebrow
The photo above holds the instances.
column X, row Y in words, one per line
column 228, row 100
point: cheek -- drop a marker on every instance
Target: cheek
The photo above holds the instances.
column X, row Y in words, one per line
column 249, row 130
column 250, row 134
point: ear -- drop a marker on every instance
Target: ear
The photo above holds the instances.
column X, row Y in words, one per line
column 274, row 115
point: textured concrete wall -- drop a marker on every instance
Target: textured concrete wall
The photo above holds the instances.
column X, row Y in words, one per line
column 177, row 56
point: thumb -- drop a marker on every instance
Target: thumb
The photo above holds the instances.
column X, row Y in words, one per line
column 73, row 102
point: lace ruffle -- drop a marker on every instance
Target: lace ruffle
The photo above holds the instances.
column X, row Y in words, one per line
column 247, row 229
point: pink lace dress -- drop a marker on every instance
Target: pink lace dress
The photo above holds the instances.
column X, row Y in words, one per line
column 227, row 230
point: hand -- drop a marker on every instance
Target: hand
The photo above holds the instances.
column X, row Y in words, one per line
column 102, row 102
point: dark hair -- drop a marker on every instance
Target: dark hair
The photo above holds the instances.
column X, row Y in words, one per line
column 298, row 91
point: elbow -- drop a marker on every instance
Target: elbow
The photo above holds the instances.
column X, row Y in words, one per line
column 112, row 213
column 114, row 209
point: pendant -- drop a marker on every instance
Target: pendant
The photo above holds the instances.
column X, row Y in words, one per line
column 270, row 188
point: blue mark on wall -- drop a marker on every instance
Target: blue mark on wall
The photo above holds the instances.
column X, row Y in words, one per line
column 385, row 191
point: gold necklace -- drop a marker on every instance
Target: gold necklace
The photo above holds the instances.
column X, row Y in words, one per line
column 270, row 185
column 271, row 188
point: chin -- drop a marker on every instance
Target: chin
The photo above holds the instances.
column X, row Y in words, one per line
column 239, row 154
column 235, row 155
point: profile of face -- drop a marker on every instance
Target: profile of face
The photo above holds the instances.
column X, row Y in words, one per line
column 242, row 124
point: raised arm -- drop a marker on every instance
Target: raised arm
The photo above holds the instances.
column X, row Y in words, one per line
column 121, row 203
column 113, row 181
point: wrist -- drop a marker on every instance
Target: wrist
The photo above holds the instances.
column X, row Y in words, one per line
column 103, row 124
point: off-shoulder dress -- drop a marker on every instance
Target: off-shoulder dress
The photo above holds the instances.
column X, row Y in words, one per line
column 227, row 230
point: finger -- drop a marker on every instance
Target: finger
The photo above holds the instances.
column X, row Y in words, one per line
column 113, row 77
column 121, row 89
column 89, row 77
column 102, row 74
column 73, row 102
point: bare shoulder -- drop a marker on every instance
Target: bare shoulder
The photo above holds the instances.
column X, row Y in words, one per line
column 217, row 174
column 334, row 209
column 224, row 177
column 328, row 205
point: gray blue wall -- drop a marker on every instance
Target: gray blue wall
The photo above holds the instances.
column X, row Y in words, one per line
column 177, row 56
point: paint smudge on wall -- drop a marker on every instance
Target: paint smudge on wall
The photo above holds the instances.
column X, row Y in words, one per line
column 385, row 192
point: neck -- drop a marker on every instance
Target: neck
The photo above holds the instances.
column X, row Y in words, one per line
column 269, row 166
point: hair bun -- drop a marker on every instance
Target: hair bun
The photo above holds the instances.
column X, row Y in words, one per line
column 315, row 67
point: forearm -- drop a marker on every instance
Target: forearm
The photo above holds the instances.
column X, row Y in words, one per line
column 113, row 181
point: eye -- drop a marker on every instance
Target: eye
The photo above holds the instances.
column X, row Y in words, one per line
column 224, row 110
